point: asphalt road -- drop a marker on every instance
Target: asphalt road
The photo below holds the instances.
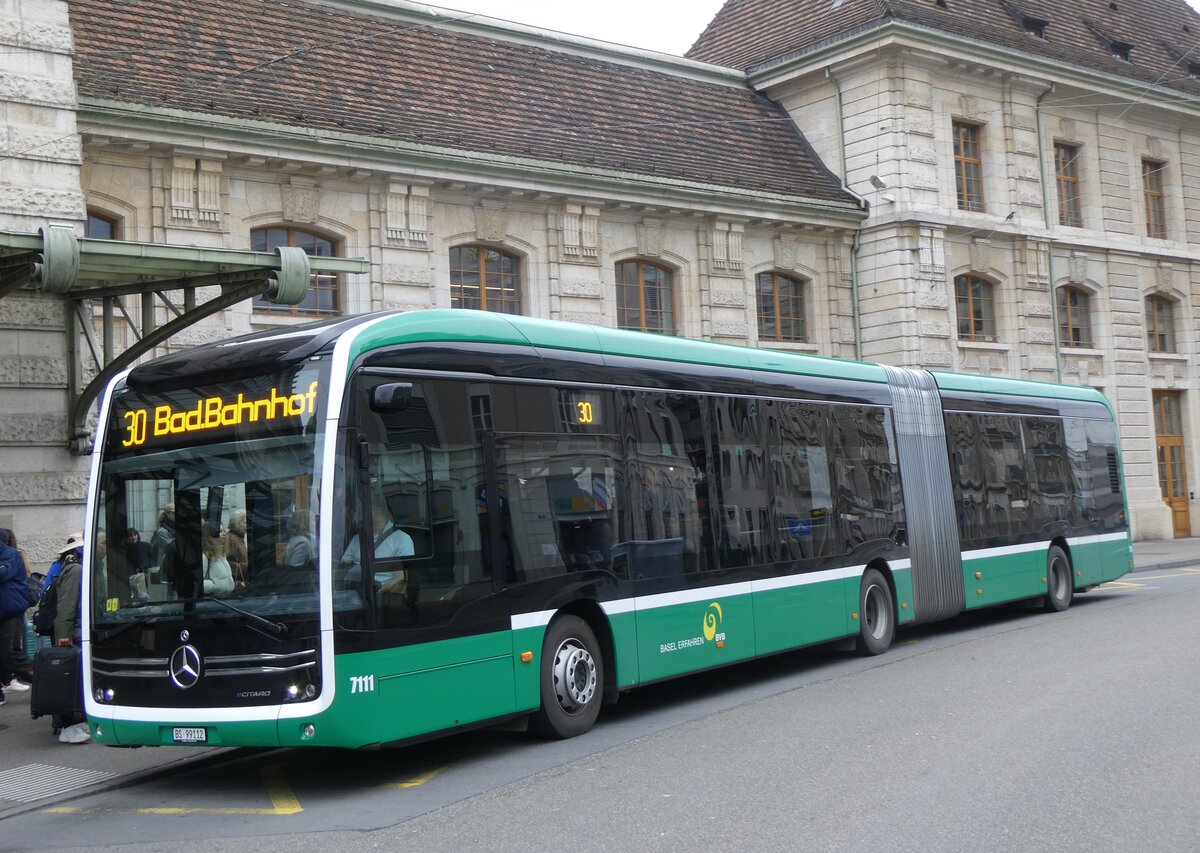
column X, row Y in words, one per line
column 1008, row 730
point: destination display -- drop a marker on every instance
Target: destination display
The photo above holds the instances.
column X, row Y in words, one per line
column 275, row 405
column 145, row 424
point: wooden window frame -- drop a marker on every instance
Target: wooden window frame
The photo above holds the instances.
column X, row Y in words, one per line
column 1155, row 196
column 968, row 166
column 783, row 309
column 1160, row 324
column 498, row 290
column 668, row 326
column 1066, row 172
column 113, row 222
column 321, row 283
column 976, row 311
column 1074, row 317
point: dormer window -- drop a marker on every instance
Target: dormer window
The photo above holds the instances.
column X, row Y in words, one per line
column 1121, row 50
column 1034, row 27
column 1194, row 70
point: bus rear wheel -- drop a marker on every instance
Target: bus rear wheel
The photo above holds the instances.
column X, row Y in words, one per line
column 1060, row 584
column 876, row 615
column 572, row 680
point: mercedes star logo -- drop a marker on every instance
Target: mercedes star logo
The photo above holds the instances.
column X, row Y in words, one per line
column 185, row 667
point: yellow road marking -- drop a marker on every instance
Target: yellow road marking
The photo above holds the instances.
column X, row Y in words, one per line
column 283, row 801
column 416, row 781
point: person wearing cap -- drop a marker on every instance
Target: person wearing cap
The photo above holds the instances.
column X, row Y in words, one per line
column 74, row 543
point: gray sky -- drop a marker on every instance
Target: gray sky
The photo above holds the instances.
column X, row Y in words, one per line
column 669, row 26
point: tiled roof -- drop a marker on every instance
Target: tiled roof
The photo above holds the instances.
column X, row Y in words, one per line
column 1164, row 34
column 360, row 70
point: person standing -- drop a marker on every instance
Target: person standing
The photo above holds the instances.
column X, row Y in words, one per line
column 218, row 576
column 15, row 599
column 68, row 632
column 19, row 645
column 163, row 539
column 139, row 558
column 235, row 544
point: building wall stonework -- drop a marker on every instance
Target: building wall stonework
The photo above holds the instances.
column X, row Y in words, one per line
column 899, row 105
column 42, row 487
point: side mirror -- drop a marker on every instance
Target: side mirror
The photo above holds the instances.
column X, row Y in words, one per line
column 391, row 397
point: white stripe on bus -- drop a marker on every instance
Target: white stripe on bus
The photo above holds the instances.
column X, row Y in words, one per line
column 669, row 599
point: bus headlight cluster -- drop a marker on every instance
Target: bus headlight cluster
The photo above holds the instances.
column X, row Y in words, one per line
column 104, row 694
column 296, row 693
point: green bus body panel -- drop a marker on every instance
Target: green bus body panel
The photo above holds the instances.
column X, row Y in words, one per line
column 1008, row 576
column 803, row 615
column 680, row 638
column 436, row 685
column 905, row 612
column 1004, row 577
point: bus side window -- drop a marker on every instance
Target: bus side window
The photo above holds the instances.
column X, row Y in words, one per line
column 804, row 493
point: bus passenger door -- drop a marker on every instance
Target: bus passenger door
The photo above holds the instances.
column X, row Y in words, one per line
column 441, row 639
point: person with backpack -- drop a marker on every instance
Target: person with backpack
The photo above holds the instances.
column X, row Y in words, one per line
column 60, row 606
column 15, row 599
column 20, row 645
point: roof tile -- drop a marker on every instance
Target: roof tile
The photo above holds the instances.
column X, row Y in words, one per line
column 1164, row 34
column 319, row 66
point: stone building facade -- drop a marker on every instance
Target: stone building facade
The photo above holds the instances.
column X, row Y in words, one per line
column 620, row 163
column 1031, row 170
column 1028, row 176
column 41, row 484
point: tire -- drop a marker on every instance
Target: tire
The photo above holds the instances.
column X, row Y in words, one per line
column 572, row 680
column 876, row 614
column 1060, row 581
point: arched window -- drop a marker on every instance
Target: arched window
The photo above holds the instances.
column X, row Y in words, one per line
column 645, row 301
column 323, row 298
column 1074, row 317
column 781, row 309
column 1160, row 324
column 976, row 309
column 485, row 279
column 100, row 226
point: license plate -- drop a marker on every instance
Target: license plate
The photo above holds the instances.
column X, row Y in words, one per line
column 190, row 736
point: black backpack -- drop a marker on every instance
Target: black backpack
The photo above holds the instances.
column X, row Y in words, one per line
column 47, row 609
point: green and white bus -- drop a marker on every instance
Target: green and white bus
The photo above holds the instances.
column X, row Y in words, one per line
column 580, row 510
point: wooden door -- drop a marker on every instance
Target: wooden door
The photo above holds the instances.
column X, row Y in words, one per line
column 1172, row 461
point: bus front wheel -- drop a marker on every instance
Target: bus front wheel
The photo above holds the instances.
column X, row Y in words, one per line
column 1060, row 584
column 572, row 680
column 876, row 615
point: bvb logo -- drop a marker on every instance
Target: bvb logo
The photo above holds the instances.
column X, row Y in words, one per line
column 712, row 621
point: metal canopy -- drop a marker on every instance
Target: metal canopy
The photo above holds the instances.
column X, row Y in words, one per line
column 83, row 271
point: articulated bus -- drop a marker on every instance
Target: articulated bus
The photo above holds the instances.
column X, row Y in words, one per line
column 454, row 518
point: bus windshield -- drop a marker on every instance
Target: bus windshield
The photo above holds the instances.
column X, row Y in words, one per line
column 207, row 498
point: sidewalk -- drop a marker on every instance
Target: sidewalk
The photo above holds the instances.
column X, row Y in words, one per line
column 36, row 770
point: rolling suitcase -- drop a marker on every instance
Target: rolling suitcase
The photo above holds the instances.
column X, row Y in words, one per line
column 57, row 682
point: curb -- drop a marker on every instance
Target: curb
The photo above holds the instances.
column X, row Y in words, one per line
column 181, row 765
column 1172, row 564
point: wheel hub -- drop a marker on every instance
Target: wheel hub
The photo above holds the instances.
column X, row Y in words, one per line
column 574, row 676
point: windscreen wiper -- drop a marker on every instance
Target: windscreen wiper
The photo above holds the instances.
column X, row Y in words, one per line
column 276, row 628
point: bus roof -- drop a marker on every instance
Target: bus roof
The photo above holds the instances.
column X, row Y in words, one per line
column 456, row 325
